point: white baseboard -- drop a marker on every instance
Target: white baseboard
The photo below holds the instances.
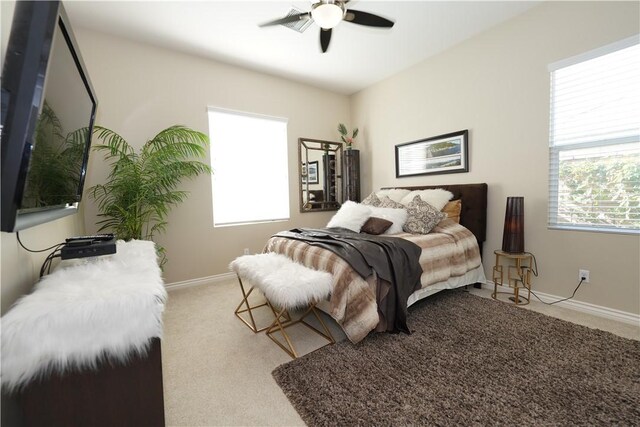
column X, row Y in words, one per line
column 200, row 281
column 584, row 307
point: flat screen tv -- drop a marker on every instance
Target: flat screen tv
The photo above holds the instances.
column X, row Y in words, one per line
column 48, row 111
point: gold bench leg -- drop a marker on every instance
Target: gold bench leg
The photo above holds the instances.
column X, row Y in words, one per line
column 278, row 326
column 245, row 302
column 327, row 333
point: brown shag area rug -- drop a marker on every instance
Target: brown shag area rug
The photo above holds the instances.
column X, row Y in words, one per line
column 470, row 361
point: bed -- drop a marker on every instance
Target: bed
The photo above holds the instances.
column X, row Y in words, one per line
column 355, row 303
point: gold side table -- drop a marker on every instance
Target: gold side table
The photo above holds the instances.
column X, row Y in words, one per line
column 518, row 275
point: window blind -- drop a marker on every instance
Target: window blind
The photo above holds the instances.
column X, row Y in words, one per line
column 250, row 161
column 594, row 148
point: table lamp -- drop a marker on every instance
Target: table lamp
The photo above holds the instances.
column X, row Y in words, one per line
column 513, row 235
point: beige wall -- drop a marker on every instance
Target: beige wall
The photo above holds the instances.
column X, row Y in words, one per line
column 497, row 86
column 19, row 269
column 142, row 89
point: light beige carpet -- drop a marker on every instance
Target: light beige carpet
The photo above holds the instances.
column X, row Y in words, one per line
column 217, row 372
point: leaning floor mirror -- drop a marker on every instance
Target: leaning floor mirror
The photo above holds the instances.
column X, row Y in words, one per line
column 319, row 171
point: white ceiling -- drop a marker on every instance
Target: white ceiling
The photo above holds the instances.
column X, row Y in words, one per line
column 358, row 56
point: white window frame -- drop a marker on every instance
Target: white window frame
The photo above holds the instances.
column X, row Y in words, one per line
column 254, row 194
column 555, row 150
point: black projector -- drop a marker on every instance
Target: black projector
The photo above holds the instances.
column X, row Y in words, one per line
column 88, row 247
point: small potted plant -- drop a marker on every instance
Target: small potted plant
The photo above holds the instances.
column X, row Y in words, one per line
column 344, row 135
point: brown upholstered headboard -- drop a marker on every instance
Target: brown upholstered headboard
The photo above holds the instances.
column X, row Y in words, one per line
column 474, row 206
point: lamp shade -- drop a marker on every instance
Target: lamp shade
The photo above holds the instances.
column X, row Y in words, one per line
column 513, row 235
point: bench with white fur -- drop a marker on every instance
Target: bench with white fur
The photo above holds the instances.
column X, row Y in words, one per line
column 84, row 347
column 286, row 285
column 88, row 310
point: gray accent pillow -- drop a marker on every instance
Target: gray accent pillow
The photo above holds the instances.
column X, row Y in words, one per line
column 372, row 200
column 422, row 217
column 386, row 202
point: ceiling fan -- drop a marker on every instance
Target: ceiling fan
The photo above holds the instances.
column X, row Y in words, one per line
column 328, row 14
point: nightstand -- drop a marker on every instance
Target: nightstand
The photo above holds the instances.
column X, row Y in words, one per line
column 518, row 269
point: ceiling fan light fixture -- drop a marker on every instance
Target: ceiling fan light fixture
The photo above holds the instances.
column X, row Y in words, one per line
column 327, row 15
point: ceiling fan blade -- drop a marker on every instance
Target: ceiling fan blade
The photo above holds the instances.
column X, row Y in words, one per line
column 325, row 38
column 287, row 19
column 368, row 19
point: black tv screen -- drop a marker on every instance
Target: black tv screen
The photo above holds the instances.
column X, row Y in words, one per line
column 48, row 111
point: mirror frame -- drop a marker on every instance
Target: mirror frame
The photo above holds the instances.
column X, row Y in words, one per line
column 323, row 146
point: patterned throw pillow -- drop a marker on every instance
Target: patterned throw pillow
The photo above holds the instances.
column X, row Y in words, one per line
column 376, row 226
column 371, row 200
column 453, row 209
column 422, row 217
column 386, row 202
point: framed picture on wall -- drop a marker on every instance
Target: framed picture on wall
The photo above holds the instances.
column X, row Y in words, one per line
column 448, row 153
column 311, row 173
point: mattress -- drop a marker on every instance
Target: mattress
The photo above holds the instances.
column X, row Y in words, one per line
column 469, row 278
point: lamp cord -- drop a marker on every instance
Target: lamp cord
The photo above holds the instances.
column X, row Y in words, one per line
column 534, row 270
column 560, row 300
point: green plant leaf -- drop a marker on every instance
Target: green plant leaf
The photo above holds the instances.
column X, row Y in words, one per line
column 142, row 187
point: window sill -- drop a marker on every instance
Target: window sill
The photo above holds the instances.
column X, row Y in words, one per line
column 234, row 224
column 595, row 229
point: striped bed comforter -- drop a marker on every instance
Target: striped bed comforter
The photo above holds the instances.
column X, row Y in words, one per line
column 449, row 250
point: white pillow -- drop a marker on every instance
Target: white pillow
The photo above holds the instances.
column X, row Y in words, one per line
column 397, row 216
column 351, row 215
column 395, row 194
column 436, row 198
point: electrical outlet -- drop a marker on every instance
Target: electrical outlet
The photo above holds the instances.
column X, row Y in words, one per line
column 583, row 274
column 246, row 251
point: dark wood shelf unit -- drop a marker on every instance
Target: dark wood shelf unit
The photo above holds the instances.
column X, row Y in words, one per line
column 351, row 175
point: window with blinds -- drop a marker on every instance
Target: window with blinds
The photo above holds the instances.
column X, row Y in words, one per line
column 250, row 162
column 594, row 148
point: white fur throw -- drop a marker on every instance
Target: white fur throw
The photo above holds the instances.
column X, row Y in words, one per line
column 395, row 194
column 436, row 197
column 87, row 310
column 283, row 281
column 397, row 216
column 351, row 215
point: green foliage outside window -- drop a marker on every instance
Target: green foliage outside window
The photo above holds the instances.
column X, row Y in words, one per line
column 601, row 191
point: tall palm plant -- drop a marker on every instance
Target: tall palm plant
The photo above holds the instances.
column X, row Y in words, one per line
column 141, row 187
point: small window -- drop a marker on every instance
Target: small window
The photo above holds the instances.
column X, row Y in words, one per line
column 594, row 147
column 250, row 161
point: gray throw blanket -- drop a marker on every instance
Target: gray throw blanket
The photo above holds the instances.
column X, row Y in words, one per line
column 393, row 259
